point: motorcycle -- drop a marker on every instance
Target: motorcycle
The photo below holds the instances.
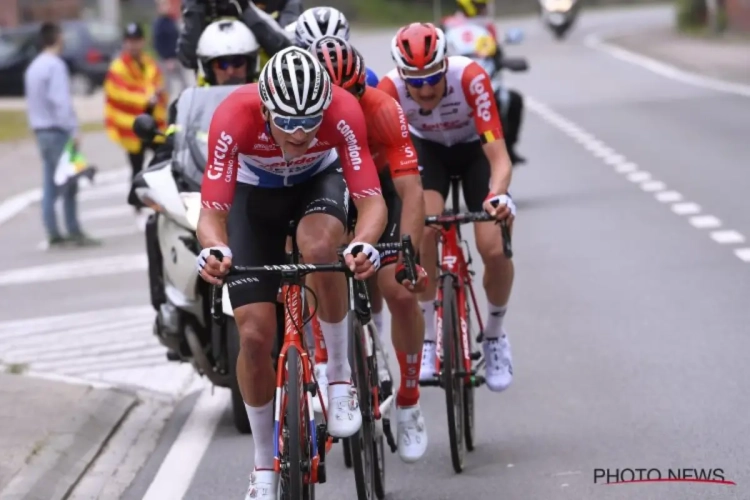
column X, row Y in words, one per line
column 183, row 301
column 559, row 15
column 477, row 43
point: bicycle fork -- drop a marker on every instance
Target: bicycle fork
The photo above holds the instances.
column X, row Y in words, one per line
column 383, row 391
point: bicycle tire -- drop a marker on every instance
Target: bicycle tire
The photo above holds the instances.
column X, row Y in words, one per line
column 469, row 407
column 452, row 386
column 297, row 445
column 378, row 444
column 361, row 444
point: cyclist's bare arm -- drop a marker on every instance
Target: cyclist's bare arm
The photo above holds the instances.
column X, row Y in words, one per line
column 478, row 89
column 219, row 176
column 360, row 173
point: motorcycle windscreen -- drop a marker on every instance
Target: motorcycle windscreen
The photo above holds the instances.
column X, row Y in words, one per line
column 195, row 108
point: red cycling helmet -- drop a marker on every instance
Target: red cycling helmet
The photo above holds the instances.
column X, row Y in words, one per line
column 342, row 61
column 418, row 46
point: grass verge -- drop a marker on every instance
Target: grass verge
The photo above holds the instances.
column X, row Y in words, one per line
column 14, row 127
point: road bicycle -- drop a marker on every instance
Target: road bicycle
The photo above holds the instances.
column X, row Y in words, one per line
column 301, row 443
column 457, row 364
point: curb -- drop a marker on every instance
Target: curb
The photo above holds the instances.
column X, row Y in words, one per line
column 52, row 474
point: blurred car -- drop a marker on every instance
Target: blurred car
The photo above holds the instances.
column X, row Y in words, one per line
column 89, row 48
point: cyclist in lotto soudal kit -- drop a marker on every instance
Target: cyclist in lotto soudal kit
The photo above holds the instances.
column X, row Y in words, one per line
column 272, row 153
column 396, row 159
column 456, row 129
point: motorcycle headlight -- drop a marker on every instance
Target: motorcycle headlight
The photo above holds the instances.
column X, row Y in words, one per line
column 558, row 5
column 192, row 202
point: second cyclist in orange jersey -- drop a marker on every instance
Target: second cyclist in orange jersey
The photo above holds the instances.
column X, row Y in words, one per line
column 394, row 154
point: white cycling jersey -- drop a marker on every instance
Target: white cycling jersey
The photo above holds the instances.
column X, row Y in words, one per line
column 467, row 112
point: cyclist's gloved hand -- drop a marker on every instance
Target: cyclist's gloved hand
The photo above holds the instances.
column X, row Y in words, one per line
column 211, row 268
column 363, row 259
column 422, row 279
column 500, row 206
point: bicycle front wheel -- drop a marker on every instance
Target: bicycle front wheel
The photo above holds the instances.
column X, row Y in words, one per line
column 295, row 433
column 451, row 363
column 361, row 444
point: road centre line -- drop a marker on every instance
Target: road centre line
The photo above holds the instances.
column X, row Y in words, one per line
column 644, row 179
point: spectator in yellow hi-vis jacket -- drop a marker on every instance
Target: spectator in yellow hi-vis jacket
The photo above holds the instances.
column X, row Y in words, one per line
column 134, row 85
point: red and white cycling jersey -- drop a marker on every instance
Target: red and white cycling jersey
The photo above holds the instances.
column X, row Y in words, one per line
column 241, row 149
column 467, row 112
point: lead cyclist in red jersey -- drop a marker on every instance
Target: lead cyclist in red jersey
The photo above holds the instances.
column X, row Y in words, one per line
column 396, row 159
column 272, row 158
column 456, row 129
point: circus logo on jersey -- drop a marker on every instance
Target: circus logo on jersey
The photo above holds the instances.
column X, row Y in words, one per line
column 218, row 165
column 478, row 89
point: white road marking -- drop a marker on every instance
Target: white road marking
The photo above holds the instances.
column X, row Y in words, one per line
column 669, row 197
column 15, row 205
column 743, row 254
column 173, row 478
column 686, row 208
column 727, row 237
column 76, row 269
column 704, row 222
column 666, row 70
column 98, row 192
column 653, row 186
column 639, row 176
column 620, row 164
column 111, row 346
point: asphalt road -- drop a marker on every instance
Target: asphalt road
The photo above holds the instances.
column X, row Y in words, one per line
column 629, row 313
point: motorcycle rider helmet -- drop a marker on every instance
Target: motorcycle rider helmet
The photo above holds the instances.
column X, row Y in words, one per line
column 473, row 8
column 418, row 46
column 344, row 64
column 321, row 21
column 227, row 38
column 293, row 84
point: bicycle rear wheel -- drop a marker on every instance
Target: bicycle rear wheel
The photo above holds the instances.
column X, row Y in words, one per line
column 453, row 386
column 296, row 435
column 361, row 444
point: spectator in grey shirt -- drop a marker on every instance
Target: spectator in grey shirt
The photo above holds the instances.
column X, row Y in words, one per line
column 52, row 118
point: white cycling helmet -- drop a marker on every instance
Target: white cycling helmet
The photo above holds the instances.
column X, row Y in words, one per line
column 226, row 38
column 321, row 21
column 294, row 84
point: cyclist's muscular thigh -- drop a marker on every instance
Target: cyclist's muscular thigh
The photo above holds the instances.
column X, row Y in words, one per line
column 255, row 374
column 318, row 237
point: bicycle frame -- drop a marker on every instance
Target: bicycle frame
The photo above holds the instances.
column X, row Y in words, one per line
column 293, row 339
column 453, row 261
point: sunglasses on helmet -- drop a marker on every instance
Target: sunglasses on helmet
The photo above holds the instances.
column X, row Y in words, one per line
column 225, row 62
column 290, row 124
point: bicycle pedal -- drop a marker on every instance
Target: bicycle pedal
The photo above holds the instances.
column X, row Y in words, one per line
column 312, row 388
column 478, row 380
column 480, row 337
column 476, row 355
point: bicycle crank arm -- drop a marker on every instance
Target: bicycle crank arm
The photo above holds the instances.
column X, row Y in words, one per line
column 385, row 406
column 389, row 435
column 433, row 382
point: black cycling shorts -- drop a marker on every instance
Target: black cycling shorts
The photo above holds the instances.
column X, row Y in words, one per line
column 259, row 225
column 439, row 163
column 392, row 233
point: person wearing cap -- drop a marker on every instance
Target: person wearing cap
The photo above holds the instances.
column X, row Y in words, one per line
column 134, row 84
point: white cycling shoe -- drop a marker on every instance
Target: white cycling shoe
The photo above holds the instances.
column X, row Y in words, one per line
column 427, row 369
column 344, row 416
column 322, row 378
column 499, row 363
column 264, row 485
column 412, row 433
